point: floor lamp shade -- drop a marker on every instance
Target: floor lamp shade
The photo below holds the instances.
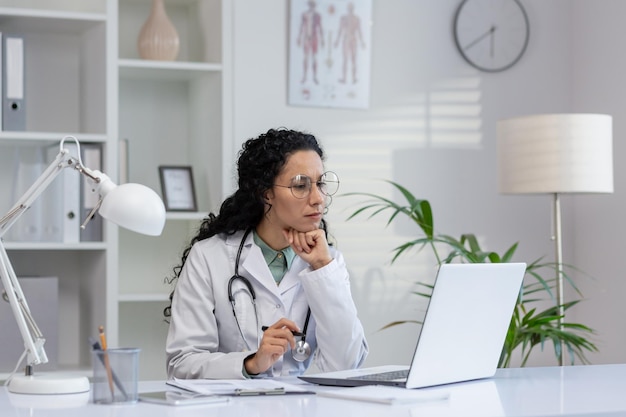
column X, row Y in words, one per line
column 555, row 153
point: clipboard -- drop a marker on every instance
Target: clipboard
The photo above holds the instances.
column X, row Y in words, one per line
column 238, row 388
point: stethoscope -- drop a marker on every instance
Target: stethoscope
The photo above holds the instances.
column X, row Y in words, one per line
column 303, row 350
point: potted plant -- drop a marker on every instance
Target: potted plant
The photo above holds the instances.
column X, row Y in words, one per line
column 530, row 326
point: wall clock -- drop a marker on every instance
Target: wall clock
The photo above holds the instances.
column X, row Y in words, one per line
column 491, row 35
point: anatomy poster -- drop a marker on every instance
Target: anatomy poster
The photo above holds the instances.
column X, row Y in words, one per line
column 329, row 53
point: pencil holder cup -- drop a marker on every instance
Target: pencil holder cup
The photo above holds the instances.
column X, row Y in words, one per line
column 115, row 375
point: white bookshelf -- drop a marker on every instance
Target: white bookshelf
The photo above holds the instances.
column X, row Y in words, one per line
column 171, row 113
column 65, row 94
column 84, row 78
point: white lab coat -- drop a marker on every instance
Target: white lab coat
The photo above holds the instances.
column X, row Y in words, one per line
column 204, row 340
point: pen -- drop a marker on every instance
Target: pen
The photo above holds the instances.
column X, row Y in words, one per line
column 107, row 364
column 96, row 346
column 293, row 332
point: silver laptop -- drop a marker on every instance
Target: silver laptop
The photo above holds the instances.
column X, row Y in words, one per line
column 462, row 335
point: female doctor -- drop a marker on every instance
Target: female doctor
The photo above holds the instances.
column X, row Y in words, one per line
column 259, row 290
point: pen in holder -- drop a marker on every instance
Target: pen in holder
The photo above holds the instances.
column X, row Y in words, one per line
column 95, row 345
column 115, row 374
column 105, row 357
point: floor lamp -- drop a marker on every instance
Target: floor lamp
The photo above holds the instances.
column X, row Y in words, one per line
column 555, row 154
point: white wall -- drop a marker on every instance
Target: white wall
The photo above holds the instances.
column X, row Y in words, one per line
column 431, row 127
column 598, row 68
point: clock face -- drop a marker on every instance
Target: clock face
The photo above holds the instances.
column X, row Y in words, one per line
column 491, row 35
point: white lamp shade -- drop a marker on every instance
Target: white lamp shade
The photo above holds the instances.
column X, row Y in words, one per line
column 555, row 153
column 134, row 207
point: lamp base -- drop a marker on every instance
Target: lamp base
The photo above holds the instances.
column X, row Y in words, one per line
column 48, row 402
column 48, row 384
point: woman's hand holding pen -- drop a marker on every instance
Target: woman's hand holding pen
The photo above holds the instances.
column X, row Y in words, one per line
column 276, row 341
column 310, row 246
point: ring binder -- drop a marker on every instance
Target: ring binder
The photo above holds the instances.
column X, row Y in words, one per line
column 13, row 110
column 92, row 157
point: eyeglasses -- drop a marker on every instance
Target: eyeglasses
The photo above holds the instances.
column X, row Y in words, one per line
column 301, row 185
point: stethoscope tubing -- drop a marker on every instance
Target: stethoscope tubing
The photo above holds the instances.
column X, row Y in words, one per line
column 302, row 350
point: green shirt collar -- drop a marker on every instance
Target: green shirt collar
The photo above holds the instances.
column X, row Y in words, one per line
column 272, row 257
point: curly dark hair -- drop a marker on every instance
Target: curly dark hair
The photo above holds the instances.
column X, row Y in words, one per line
column 260, row 161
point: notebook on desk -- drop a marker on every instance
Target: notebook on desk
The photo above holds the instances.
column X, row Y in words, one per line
column 462, row 335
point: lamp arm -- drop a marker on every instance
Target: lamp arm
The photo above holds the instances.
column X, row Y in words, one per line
column 33, row 338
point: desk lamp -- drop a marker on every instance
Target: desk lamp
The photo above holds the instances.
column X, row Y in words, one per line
column 132, row 206
column 555, row 154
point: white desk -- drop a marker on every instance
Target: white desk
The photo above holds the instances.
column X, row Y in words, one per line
column 598, row 390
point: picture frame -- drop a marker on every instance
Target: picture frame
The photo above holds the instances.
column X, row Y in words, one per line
column 178, row 188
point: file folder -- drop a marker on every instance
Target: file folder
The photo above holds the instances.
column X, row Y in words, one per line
column 64, row 196
column 1, row 81
column 71, row 200
column 13, row 110
column 91, row 154
column 29, row 162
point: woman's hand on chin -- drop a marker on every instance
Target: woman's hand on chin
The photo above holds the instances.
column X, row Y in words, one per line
column 310, row 246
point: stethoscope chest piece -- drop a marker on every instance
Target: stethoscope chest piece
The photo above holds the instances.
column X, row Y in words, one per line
column 302, row 351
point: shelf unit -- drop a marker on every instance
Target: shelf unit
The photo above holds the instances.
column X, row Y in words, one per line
column 65, row 94
column 84, row 78
column 170, row 113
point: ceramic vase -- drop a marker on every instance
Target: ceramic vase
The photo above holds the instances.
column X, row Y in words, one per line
column 158, row 39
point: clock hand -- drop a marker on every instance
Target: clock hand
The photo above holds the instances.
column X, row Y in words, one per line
column 480, row 38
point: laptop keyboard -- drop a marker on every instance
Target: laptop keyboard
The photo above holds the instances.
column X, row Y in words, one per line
column 384, row 376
